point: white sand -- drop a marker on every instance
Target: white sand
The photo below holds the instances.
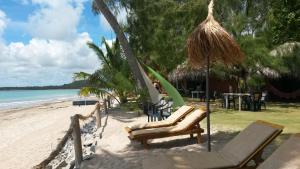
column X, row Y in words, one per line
column 115, row 150
column 27, row 136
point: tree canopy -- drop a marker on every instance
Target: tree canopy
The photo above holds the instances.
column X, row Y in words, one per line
column 158, row 31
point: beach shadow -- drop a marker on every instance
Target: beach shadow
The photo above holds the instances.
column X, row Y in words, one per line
column 122, row 115
column 219, row 139
column 103, row 127
column 106, row 159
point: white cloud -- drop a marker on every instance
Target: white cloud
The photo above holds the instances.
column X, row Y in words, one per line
column 55, row 51
column 46, row 61
column 56, row 19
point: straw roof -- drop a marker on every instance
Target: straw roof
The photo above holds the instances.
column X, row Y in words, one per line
column 285, row 49
column 209, row 39
column 185, row 72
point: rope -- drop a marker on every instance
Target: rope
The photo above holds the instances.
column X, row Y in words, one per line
column 285, row 95
column 81, row 117
column 64, row 140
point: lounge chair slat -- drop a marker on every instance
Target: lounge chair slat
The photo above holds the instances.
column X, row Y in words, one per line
column 254, row 136
column 287, row 156
column 189, row 125
column 170, row 121
column 226, row 157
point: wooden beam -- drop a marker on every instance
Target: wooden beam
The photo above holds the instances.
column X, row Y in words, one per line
column 77, row 141
column 98, row 116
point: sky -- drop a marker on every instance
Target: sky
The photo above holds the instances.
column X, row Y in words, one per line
column 43, row 42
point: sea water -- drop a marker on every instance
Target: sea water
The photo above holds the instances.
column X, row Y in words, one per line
column 26, row 98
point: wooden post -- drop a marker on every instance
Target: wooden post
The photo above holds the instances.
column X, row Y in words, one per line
column 105, row 106
column 108, row 102
column 98, row 115
column 77, row 141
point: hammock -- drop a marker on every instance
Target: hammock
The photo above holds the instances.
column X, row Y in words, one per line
column 281, row 94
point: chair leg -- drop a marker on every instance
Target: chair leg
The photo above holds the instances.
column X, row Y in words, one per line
column 258, row 158
column 145, row 144
column 199, row 138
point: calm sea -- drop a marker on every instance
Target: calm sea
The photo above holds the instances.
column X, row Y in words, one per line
column 24, row 98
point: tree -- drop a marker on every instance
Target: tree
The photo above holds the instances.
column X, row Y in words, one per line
column 284, row 21
column 158, row 30
column 100, row 6
column 113, row 74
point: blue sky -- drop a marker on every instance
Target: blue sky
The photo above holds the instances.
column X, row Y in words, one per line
column 43, row 42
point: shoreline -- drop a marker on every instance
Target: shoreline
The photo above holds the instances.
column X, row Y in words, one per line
column 18, row 99
column 22, row 108
column 43, row 103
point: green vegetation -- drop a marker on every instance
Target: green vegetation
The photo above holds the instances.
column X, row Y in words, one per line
column 159, row 29
column 172, row 92
column 286, row 114
column 157, row 33
column 113, row 74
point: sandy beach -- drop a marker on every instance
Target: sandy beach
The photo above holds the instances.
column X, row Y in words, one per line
column 28, row 135
column 114, row 149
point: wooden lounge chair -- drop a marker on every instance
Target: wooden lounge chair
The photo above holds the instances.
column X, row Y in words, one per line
column 287, row 156
column 170, row 121
column 246, row 146
column 189, row 125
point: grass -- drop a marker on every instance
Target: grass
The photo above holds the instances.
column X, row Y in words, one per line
column 286, row 114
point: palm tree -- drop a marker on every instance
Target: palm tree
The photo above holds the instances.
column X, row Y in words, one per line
column 100, row 6
column 114, row 74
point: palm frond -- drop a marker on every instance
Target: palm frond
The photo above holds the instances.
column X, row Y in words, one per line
column 98, row 52
column 81, row 76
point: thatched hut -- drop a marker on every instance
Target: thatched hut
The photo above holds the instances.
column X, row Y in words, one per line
column 185, row 72
column 186, row 79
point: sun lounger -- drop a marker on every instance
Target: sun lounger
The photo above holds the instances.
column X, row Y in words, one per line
column 189, row 125
column 247, row 145
column 287, row 156
column 170, row 121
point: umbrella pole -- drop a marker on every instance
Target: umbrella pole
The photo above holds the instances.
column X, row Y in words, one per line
column 207, row 106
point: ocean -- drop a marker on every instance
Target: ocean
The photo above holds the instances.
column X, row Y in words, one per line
column 26, row 98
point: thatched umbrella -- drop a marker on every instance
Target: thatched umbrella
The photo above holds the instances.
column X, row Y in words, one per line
column 209, row 42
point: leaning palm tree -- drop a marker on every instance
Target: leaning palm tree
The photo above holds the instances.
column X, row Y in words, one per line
column 209, row 42
column 101, row 6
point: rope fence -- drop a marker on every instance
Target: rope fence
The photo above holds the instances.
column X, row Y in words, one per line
column 74, row 132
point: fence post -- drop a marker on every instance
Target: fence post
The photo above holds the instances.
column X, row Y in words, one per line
column 108, row 101
column 105, row 106
column 98, row 115
column 77, row 141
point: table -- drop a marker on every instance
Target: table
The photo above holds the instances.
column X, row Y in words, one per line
column 197, row 93
column 235, row 94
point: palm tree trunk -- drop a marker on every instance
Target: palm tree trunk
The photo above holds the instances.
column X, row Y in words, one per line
column 132, row 61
